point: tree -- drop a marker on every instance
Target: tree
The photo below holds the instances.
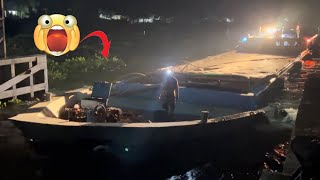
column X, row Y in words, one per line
column 25, row 8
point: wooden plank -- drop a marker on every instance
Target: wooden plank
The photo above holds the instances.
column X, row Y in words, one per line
column 13, row 74
column 21, row 77
column 23, row 90
column 31, row 82
column 21, row 60
column 43, row 60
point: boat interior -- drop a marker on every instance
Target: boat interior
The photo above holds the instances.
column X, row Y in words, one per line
column 139, row 103
column 135, row 98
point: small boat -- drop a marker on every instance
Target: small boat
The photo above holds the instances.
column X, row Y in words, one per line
column 132, row 140
column 126, row 121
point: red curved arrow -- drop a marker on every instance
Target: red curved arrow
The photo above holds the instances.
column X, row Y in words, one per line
column 104, row 39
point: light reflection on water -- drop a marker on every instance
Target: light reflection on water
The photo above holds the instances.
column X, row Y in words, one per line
column 190, row 175
column 208, row 171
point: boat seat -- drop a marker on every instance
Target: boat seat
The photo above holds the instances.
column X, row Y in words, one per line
column 101, row 92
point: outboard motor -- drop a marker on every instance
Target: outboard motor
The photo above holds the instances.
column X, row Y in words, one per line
column 110, row 114
column 307, row 151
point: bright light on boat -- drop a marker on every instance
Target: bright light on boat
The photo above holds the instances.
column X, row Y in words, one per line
column 271, row 30
column 311, row 39
column 126, row 149
column 244, row 39
column 168, row 72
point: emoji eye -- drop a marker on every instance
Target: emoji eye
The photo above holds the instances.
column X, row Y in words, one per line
column 45, row 21
column 70, row 21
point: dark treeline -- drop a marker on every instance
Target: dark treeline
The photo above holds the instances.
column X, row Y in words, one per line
column 246, row 13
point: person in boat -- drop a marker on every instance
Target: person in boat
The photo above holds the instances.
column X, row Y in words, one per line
column 169, row 93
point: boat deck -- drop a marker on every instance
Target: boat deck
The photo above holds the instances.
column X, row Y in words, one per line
column 234, row 63
column 225, row 84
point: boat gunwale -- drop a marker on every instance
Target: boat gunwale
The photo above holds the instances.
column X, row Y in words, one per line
column 39, row 119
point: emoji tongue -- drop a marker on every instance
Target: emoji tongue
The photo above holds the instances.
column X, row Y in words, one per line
column 57, row 39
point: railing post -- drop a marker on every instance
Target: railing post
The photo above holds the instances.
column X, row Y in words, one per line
column 13, row 74
column 46, row 74
column 31, row 81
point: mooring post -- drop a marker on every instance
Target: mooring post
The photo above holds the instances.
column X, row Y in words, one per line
column 204, row 116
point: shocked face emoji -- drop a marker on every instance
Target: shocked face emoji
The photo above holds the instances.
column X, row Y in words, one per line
column 56, row 34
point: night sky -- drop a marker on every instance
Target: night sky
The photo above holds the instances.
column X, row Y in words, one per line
column 243, row 9
column 185, row 6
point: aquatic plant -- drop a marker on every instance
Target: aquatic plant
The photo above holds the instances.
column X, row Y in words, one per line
column 3, row 105
column 15, row 101
column 70, row 68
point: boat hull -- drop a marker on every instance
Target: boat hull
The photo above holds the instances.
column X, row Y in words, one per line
column 233, row 141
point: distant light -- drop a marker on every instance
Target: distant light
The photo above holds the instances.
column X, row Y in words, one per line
column 101, row 16
column 312, row 38
column 126, row 149
column 244, row 39
column 228, row 20
column 271, row 30
column 13, row 12
column 286, row 44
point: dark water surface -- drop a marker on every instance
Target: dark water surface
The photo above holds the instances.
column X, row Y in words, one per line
column 20, row 161
column 19, row 166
